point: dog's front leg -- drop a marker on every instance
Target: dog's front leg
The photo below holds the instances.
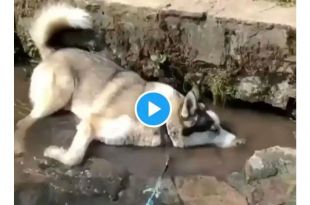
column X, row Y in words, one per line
column 75, row 154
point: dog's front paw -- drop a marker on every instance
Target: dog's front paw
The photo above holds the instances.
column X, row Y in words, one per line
column 54, row 152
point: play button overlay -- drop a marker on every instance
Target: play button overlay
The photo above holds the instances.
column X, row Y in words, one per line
column 152, row 109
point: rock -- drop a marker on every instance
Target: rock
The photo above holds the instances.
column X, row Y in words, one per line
column 236, row 54
column 251, row 88
column 95, row 177
column 169, row 194
column 271, row 191
column 19, row 55
column 205, row 190
column 31, row 194
column 208, row 39
column 270, row 162
column 135, row 192
column 42, row 193
column 269, row 177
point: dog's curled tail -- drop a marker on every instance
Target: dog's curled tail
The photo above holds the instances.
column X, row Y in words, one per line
column 53, row 19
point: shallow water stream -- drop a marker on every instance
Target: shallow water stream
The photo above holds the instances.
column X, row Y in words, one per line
column 261, row 130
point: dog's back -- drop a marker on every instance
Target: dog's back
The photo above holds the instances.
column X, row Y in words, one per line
column 103, row 95
column 96, row 78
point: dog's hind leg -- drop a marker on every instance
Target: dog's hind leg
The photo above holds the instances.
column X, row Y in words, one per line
column 50, row 90
column 75, row 153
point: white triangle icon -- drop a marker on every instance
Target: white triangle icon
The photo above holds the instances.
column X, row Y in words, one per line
column 152, row 109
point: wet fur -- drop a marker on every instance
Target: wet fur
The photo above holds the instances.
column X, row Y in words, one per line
column 103, row 96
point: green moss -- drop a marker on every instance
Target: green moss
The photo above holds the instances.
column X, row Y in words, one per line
column 221, row 86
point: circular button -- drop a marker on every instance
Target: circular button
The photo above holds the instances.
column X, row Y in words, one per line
column 153, row 109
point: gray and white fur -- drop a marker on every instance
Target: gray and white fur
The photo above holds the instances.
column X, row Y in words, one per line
column 103, row 96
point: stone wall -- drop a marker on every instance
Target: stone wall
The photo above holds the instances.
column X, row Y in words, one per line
column 234, row 58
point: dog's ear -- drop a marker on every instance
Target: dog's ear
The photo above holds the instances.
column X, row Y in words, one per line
column 195, row 90
column 190, row 104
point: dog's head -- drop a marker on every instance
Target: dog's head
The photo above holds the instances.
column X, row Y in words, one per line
column 197, row 125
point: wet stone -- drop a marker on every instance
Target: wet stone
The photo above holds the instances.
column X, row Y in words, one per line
column 269, row 177
column 136, row 193
column 95, row 177
column 270, row 162
column 273, row 190
column 31, row 194
column 44, row 194
column 206, row 190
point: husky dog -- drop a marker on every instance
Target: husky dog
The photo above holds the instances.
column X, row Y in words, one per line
column 103, row 96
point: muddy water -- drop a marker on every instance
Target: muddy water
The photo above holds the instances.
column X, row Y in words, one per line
column 261, row 130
